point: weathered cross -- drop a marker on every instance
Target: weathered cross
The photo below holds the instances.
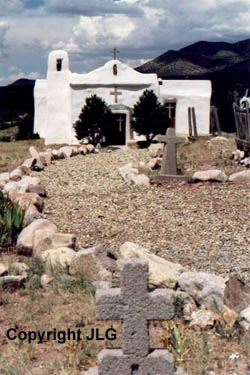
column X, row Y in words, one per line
column 169, row 166
column 135, row 306
column 115, row 53
column 116, row 93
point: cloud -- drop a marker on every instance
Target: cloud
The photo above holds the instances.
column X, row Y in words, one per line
column 91, row 8
column 11, row 6
column 89, row 30
column 4, row 27
column 18, row 75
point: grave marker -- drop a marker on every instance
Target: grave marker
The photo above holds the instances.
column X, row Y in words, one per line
column 169, row 165
column 135, row 306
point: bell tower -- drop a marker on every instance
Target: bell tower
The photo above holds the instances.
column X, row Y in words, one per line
column 59, row 121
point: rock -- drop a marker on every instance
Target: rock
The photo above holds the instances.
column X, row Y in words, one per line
column 26, row 237
column 31, row 214
column 155, row 150
column 154, row 163
column 16, row 174
column 92, row 371
column 126, row 171
column 10, row 186
column 204, row 319
column 83, row 149
column 29, row 163
column 219, row 139
column 245, row 162
column 211, row 174
column 38, row 166
column 90, row 148
column 184, row 305
column 87, row 261
column 75, row 150
column 12, row 281
column 244, row 319
column 20, row 268
column 162, row 273
column 238, row 155
column 33, row 152
column 3, row 270
column 102, row 284
column 66, row 151
column 205, row 288
column 243, row 176
column 55, row 154
column 45, row 158
column 26, row 199
column 140, row 179
column 236, row 294
column 4, row 178
column 28, row 180
column 37, row 189
column 180, row 371
column 50, row 240
column 229, row 317
column 45, row 280
column 59, row 257
column 245, row 342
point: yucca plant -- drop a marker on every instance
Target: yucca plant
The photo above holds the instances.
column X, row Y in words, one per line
column 11, row 220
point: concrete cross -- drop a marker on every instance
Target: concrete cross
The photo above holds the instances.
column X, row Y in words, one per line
column 169, row 166
column 135, row 306
column 116, row 93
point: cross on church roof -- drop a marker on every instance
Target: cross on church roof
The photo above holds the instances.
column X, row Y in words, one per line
column 135, row 306
column 115, row 51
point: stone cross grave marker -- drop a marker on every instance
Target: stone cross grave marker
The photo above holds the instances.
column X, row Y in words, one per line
column 169, row 165
column 135, row 306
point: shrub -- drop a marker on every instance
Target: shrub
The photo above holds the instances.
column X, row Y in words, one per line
column 11, row 221
column 150, row 116
column 93, row 120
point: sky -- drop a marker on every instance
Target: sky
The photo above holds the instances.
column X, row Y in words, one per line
column 89, row 30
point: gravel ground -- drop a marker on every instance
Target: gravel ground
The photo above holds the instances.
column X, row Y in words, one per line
column 205, row 227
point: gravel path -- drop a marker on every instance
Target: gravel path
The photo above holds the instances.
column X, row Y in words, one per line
column 202, row 226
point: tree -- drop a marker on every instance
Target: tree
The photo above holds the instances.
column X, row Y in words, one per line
column 93, row 120
column 150, row 116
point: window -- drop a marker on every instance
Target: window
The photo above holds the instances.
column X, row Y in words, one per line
column 59, row 64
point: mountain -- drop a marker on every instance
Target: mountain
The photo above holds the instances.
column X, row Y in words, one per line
column 16, row 99
column 227, row 65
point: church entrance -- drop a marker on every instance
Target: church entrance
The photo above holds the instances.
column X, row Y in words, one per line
column 116, row 133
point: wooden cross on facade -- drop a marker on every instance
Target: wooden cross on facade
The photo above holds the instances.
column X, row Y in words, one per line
column 169, row 165
column 116, row 93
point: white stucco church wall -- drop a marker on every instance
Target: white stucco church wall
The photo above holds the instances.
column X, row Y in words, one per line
column 60, row 98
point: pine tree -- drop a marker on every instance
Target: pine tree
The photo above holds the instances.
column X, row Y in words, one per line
column 150, row 116
column 93, row 120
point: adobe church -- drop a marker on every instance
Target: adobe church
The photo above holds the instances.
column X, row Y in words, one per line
column 60, row 98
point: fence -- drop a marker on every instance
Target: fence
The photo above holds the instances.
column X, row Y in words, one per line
column 242, row 122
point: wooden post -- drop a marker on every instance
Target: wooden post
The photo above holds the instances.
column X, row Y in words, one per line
column 189, row 122
column 194, row 123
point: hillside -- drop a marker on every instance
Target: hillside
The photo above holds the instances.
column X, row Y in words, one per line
column 16, row 99
column 227, row 65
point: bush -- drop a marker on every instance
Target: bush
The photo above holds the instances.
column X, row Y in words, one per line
column 11, row 221
column 150, row 116
column 93, row 120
